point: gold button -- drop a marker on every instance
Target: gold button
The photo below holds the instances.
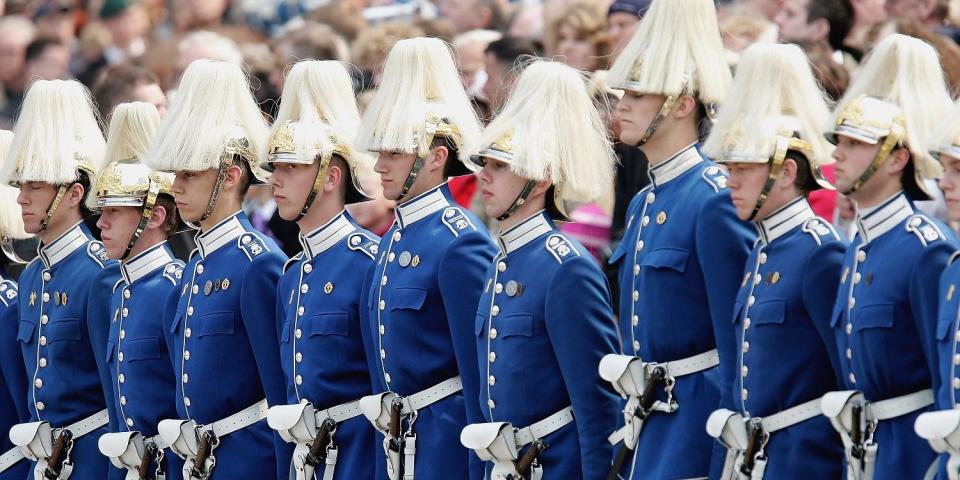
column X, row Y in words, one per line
column 856, row 278
column 743, row 371
column 851, row 302
column 757, row 278
column 493, row 333
column 956, row 359
column 746, row 347
column 751, row 300
column 743, row 394
column 382, row 305
column 849, row 328
column 746, row 322
column 636, row 269
column 763, row 258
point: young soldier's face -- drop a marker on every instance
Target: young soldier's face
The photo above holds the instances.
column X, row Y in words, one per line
column 34, row 200
column 292, row 184
column 745, row 183
column 192, row 191
column 636, row 111
column 393, row 168
column 499, row 186
column 950, row 184
column 117, row 226
column 853, row 157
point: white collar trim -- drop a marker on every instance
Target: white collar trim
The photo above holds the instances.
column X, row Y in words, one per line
column 145, row 263
column 677, row 165
column 326, row 236
column 524, row 232
column 220, row 235
column 422, row 206
column 72, row 240
column 784, row 220
column 874, row 222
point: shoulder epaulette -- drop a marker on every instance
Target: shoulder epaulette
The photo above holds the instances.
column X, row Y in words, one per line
column 561, row 248
column 290, row 261
column 456, row 220
column 252, row 245
column 173, row 271
column 715, row 177
column 925, row 229
column 8, row 292
column 98, row 252
column 820, row 229
column 364, row 243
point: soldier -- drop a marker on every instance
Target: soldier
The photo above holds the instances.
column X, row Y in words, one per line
column 682, row 251
column 429, row 276
column 137, row 215
column 884, row 318
column 544, row 320
column 222, row 320
column 768, row 135
column 64, row 318
column 940, row 428
column 13, row 388
column 315, row 172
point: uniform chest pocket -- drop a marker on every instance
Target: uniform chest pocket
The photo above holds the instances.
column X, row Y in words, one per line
column 25, row 332
column 142, row 349
column 334, row 323
column 516, row 325
column 407, row 298
column 873, row 316
column 667, row 257
column 770, row 312
column 64, row 329
column 216, row 323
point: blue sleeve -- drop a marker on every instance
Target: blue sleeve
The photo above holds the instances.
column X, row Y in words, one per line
column 98, row 327
column 581, row 329
column 258, row 310
column 924, row 299
column 462, row 272
column 11, row 361
column 821, row 279
column 723, row 245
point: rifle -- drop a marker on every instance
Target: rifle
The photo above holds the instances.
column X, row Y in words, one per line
column 208, row 440
column 150, row 452
column 61, row 449
column 525, row 463
column 642, row 411
column 318, row 449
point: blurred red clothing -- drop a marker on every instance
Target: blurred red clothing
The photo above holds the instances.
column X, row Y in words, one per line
column 824, row 202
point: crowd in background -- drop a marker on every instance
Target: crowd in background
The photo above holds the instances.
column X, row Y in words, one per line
column 126, row 50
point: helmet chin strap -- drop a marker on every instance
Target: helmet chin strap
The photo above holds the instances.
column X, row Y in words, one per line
column 888, row 145
column 430, row 129
column 149, row 205
column 519, row 201
column 665, row 109
column 776, row 166
column 61, row 191
column 315, row 190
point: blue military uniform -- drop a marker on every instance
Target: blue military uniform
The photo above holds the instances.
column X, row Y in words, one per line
column 787, row 356
column 543, row 324
column 682, row 254
column 143, row 384
column 13, row 388
column 420, row 308
column 948, row 338
column 319, row 301
column 885, row 322
column 225, row 351
column 63, row 328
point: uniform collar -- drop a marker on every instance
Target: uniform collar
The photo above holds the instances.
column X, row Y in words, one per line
column 422, row 205
column 525, row 232
column 145, row 263
column 221, row 234
column 874, row 222
column 675, row 166
column 74, row 238
column 788, row 217
column 326, row 236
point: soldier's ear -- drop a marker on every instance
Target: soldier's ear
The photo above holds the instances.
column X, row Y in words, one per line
column 74, row 194
column 541, row 188
column 234, row 176
column 685, row 107
column 158, row 217
column 898, row 160
column 334, row 177
column 438, row 158
column 788, row 174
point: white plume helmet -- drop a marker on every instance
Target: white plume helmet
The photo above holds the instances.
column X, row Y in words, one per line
column 420, row 85
column 905, row 72
column 56, row 135
column 773, row 81
column 11, row 223
column 945, row 140
column 132, row 127
column 676, row 50
column 320, row 90
column 550, row 129
column 213, row 118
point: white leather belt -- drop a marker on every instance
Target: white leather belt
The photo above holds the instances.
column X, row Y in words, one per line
column 899, row 406
column 500, row 443
column 10, row 458
column 694, row 364
column 425, row 398
column 340, row 413
column 526, row 436
column 89, row 424
column 302, row 425
column 36, row 440
column 791, row 416
column 240, row 420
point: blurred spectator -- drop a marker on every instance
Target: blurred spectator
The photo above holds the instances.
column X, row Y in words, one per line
column 527, row 22
column 740, row 31
column 932, row 14
column 623, row 16
column 815, row 21
column 258, row 62
column 129, row 24
column 764, row 9
column 948, row 49
column 502, row 64
column 370, row 49
column 832, row 76
column 58, row 19
column 469, row 15
column 123, row 83
column 436, row 27
column 208, row 45
column 346, row 18
column 470, row 49
column 15, row 34
column 190, row 15
column 867, row 15
column 579, row 37
column 48, row 59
